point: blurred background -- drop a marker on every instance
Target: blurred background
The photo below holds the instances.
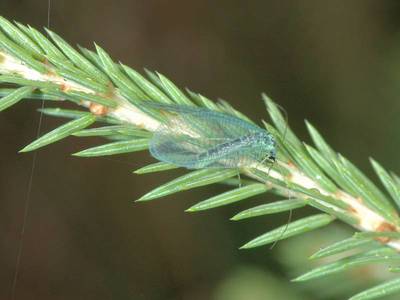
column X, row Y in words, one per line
column 334, row 63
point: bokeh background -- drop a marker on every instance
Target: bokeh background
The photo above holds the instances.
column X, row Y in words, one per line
column 335, row 63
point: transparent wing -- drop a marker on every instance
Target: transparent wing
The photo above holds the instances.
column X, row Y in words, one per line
column 205, row 122
column 191, row 136
column 179, row 149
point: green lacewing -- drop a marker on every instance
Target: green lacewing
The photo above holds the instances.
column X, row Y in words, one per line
column 196, row 138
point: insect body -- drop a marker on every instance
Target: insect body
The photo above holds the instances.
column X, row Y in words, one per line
column 197, row 138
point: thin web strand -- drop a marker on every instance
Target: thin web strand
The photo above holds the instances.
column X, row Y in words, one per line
column 29, row 191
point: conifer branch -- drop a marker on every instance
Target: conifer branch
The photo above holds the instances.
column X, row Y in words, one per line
column 32, row 66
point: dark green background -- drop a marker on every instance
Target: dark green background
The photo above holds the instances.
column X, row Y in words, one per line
column 335, row 63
